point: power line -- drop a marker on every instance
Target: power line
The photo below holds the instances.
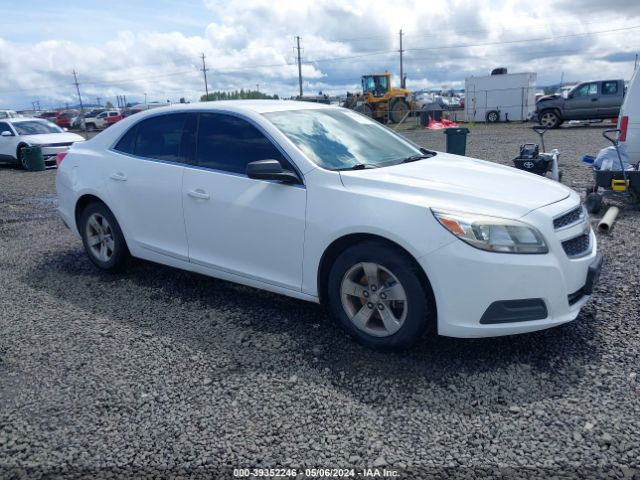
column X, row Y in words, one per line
column 506, row 42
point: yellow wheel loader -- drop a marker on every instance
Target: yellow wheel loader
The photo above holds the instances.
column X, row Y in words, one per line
column 380, row 100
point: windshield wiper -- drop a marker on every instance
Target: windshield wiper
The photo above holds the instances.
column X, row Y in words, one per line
column 359, row 166
column 419, row 156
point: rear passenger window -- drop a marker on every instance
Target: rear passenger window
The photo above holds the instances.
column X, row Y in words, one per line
column 165, row 137
column 127, row 143
column 229, row 143
column 609, row 88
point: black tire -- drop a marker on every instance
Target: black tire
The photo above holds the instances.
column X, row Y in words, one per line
column 22, row 162
column 399, row 109
column 594, row 203
column 419, row 314
column 120, row 252
column 493, row 116
column 91, row 126
column 365, row 109
column 549, row 119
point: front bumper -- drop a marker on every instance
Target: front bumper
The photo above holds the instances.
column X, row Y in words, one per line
column 49, row 153
column 467, row 281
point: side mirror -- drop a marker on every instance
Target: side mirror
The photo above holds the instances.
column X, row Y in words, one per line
column 569, row 95
column 6, row 133
column 271, row 170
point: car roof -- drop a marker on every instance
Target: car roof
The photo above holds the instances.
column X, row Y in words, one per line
column 243, row 106
column 26, row 119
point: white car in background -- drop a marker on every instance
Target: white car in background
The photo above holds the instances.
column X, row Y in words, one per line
column 9, row 114
column 326, row 205
column 18, row 133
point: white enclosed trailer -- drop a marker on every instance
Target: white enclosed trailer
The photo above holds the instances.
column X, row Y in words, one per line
column 497, row 98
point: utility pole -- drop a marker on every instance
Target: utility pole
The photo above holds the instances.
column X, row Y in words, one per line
column 98, row 100
column 401, row 71
column 299, row 65
column 635, row 65
column 145, row 100
column 75, row 81
column 204, row 70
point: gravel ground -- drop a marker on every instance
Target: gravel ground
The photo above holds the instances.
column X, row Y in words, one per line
column 158, row 373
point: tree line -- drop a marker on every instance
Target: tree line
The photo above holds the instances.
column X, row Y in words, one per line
column 241, row 94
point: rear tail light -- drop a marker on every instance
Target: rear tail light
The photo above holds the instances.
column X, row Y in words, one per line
column 59, row 157
column 624, row 123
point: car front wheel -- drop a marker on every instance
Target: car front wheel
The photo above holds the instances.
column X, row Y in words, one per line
column 102, row 237
column 376, row 293
column 22, row 158
column 549, row 119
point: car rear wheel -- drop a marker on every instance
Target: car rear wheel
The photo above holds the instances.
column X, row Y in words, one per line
column 376, row 293
column 102, row 238
column 549, row 119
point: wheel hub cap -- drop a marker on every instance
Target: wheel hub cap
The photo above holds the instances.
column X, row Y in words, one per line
column 100, row 237
column 374, row 299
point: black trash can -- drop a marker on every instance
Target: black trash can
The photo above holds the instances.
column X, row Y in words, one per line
column 456, row 140
column 33, row 159
column 432, row 110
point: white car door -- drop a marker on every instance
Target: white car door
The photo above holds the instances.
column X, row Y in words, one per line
column 144, row 181
column 252, row 228
column 8, row 143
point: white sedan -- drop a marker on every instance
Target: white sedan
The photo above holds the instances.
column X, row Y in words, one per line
column 325, row 205
column 18, row 133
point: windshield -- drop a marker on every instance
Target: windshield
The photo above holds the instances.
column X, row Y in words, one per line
column 342, row 139
column 36, row 127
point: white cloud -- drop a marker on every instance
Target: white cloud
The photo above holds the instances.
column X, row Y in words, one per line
column 252, row 43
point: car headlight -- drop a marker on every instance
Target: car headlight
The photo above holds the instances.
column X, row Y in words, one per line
column 493, row 233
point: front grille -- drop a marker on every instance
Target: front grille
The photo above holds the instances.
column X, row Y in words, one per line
column 577, row 246
column 64, row 144
column 569, row 218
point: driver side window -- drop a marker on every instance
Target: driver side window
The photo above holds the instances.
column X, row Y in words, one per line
column 586, row 90
column 228, row 143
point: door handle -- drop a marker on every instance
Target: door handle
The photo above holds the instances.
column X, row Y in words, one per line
column 198, row 193
column 594, row 99
column 118, row 176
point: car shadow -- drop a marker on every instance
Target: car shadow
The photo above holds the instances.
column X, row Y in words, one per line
column 264, row 332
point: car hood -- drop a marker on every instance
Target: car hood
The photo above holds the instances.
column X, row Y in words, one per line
column 48, row 138
column 460, row 183
column 546, row 98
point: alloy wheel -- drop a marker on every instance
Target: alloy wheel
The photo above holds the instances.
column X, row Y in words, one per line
column 374, row 299
column 100, row 237
column 548, row 119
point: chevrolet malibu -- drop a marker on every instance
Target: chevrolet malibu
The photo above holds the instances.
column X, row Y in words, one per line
column 323, row 204
column 18, row 133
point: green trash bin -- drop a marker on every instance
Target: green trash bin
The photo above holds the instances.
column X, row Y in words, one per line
column 456, row 140
column 33, row 159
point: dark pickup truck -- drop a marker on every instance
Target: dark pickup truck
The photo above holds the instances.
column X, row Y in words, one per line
column 595, row 100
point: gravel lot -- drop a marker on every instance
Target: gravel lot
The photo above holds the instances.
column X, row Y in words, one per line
column 158, row 373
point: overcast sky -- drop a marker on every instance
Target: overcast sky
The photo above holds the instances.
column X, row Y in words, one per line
column 123, row 47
